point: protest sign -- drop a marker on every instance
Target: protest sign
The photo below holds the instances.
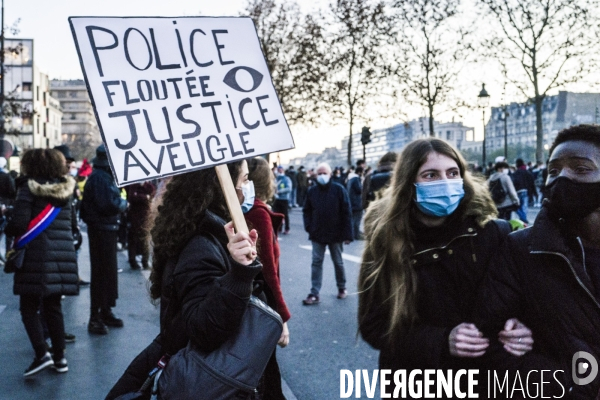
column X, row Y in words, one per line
column 173, row 95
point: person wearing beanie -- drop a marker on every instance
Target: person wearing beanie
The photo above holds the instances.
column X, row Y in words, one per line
column 100, row 210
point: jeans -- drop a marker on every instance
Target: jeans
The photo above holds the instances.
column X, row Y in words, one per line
column 293, row 197
column 318, row 255
column 30, row 307
column 522, row 211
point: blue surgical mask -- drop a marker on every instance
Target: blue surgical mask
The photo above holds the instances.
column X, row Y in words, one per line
column 323, row 179
column 248, row 192
column 439, row 198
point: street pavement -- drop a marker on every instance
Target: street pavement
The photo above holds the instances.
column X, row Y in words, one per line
column 323, row 338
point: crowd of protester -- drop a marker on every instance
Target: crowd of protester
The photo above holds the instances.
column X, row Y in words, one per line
column 445, row 281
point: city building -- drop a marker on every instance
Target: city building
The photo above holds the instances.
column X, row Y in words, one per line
column 558, row 112
column 32, row 117
column 395, row 138
column 79, row 127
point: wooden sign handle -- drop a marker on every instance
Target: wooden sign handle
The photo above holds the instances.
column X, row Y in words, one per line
column 233, row 203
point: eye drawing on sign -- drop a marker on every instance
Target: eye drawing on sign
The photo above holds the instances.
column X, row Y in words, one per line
column 231, row 79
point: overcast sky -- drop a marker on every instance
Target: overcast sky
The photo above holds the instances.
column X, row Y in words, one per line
column 45, row 21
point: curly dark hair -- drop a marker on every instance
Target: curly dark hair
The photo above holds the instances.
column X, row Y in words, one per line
column 583, row 132
column 44, row 164
column 183, row 207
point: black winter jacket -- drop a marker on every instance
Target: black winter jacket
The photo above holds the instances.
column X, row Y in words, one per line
column 327, row 214
column 450, row 262
column 102, row 203
column 540, row 278
column 204, row 296
column 50, row 264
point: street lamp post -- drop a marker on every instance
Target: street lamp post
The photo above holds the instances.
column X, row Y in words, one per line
column 2, row 78
column 506, row 114
column 483, row 100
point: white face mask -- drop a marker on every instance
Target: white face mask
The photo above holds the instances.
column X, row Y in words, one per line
column 248, row 192
column 73, row 172
column 505, row 171
column 323, row 179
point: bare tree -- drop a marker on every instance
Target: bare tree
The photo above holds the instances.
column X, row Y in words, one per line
column 543, row 45
column 360, row 31
column 294, row 48
column 433, row 47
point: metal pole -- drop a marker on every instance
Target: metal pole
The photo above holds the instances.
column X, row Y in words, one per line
column 364, row 152
column 505, row 135
column 483, row 119
column 2, row 80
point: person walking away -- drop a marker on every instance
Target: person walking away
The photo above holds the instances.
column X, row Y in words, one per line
column 429, row 242
column 328, row 220
column 525, row 188
column 503, row 191
column 355, row 195
column 376, row 182
column 49, row 268
column 293, row 175
column 100, row 210
column 139, row 196
column 281, row 204
column 256, row 192
column 548, row 275
column 302, row 179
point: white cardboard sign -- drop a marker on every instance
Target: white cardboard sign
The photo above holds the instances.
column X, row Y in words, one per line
column 173, row 95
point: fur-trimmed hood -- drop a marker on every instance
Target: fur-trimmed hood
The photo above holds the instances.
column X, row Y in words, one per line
column 60, row 190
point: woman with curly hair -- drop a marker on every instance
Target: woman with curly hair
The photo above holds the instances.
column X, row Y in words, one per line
column 429, row 241
column 202, row 273
column 49, row 267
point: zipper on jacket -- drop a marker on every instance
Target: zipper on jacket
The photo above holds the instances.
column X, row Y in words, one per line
column 583, row 252
column 446, row 245
column 574, row 273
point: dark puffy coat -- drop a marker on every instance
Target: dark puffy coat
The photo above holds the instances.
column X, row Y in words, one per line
column 327, row 214
column 450, row 262
column 102, row 203
column 50, row 264
column 539, row 278
column 205, row 293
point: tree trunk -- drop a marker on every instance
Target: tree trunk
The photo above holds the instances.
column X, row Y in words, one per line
column 539, row 129
column 431, row 130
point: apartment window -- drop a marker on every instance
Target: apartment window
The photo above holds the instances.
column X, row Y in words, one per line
column 37, row 93
column 449, row 135
column 27, row 86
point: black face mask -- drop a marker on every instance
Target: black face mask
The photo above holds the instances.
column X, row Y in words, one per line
column 572, row 200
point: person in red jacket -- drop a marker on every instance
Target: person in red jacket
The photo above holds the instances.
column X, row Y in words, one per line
column 267, row 223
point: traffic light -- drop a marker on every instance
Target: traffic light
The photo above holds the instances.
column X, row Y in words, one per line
column 365, row 135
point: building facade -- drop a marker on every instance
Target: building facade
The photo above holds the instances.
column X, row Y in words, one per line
column 32, row 116
column 79, row 126
column 558, row 112
column 393, row 138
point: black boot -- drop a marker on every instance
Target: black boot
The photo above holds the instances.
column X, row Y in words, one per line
column 110, row 319
column 96, row 325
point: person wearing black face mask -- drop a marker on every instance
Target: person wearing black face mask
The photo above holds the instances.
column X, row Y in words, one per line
column 548, row 276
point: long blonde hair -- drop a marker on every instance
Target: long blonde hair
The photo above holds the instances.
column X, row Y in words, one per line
column 387, row 277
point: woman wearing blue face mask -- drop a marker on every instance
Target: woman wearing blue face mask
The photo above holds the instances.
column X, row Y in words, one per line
column 428, row 244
